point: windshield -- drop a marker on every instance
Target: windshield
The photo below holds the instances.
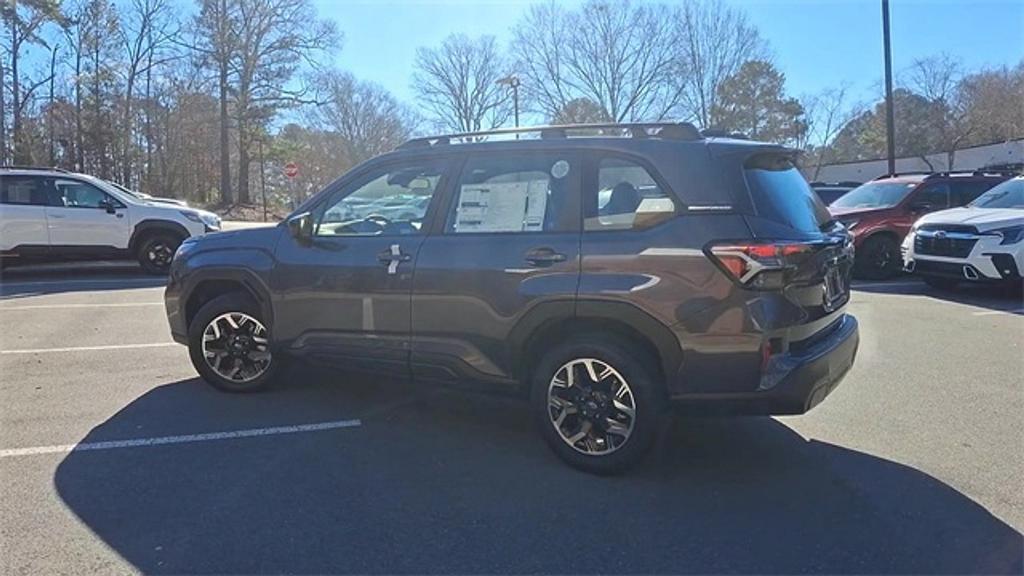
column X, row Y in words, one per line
column 1009, row 194
column 132, row 193
column 875, row 195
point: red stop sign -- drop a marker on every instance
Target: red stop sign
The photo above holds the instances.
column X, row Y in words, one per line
column 291, row 169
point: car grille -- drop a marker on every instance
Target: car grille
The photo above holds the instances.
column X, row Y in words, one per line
column 957, row 228
column 944, row 242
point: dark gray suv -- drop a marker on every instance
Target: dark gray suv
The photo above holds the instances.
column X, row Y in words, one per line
column 604, row 272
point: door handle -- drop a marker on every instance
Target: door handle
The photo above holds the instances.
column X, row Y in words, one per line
column 544, row 257
column 392, row 257
column 55, row 216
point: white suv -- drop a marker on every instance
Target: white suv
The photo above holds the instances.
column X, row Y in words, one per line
column 56, row 215
column 982, row 242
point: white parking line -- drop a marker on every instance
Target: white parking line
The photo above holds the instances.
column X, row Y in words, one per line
column 142, row 282
column 61, row 306
column 89, row 348
column 185, row 439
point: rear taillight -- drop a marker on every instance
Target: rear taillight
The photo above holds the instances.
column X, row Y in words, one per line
column 759, row 265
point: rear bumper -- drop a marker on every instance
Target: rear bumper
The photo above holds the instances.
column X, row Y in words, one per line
column 793, row 383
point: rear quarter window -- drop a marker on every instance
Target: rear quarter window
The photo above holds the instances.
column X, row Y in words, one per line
column 781, row 194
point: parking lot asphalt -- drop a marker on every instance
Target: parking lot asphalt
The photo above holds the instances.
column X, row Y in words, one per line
column 114, row 457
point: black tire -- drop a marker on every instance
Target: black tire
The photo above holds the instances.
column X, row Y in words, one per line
column 878, row 258
column 233, row 302
column 156, row 251
column 647, row 395
column 940, row 283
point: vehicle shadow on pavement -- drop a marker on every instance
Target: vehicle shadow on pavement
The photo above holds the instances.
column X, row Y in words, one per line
column 446, row 482
column 22, row 282
column 991, row 297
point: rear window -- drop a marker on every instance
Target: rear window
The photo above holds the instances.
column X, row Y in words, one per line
column 781, row 194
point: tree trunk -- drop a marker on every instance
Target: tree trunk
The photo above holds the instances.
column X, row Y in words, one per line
column 149, row 122
column 3, row 118
column 126, row 167
column 225, row 160
column 49, row 112
column 79, row 137
column 243, row 162
column 15, row 95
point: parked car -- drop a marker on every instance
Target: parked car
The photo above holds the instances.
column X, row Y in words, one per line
column 983, row 242
column 830, row 192
column 881, row 212
column 48, row 214
column 722, row 287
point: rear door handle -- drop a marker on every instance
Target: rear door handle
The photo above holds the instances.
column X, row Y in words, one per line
column 544, row 257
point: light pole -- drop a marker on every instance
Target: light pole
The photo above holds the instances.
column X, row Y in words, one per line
column 512, row 81
column 890, row 128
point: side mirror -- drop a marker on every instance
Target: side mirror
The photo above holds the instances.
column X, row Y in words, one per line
column 108, row 205
column 301, row 227
column 920, row 207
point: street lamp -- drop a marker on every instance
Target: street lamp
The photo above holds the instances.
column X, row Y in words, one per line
column 512, row 81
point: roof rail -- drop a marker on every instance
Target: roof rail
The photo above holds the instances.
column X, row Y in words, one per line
column 41, row 168
column 666, row 130
column 718, row 133
column 909, row 173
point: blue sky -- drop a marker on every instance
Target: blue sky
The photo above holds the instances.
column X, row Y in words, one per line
column 816, row 43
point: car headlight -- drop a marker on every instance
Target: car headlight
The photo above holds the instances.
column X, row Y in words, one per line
column 207, row 219
column 1009, row 235
column 849, row 224
column 211, row 220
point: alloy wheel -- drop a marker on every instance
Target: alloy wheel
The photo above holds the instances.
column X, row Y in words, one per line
column 235, row 346
column 160, row 254
column 591, row 406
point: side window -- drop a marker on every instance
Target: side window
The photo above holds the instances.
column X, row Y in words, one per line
column 966, row 192
column 514, row 193
column 389, row 202
column 74, row 194
column 627, row 197
column 935, row 195
column 24, row 190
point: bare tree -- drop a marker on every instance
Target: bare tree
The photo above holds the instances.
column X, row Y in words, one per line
column 995, row 103
column 146, row 30
column 23, row 22
column 827, row 113
column 938, row 79
column 456, row 83
column 713, row 40
column 215, row 42
column 366, row 117
column 275, row 37
column 619, row 55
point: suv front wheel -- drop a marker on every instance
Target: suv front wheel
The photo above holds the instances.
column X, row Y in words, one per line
column 156, row 252
column 229, row 344
column 597, row 403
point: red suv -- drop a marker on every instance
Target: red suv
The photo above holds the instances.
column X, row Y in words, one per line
column 881, row 212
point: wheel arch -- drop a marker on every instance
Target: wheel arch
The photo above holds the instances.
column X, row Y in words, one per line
column 147, row 228
column 621, row 320
column 212, row 283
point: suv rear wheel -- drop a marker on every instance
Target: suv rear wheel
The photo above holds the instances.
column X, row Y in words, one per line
column 229, row 344
column 156, row 252
column 597, row 403
column 878, row 258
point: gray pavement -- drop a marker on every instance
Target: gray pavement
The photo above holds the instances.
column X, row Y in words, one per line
column 913, row 465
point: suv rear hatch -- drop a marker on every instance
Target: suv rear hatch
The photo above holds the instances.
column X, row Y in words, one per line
column 795, row 252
